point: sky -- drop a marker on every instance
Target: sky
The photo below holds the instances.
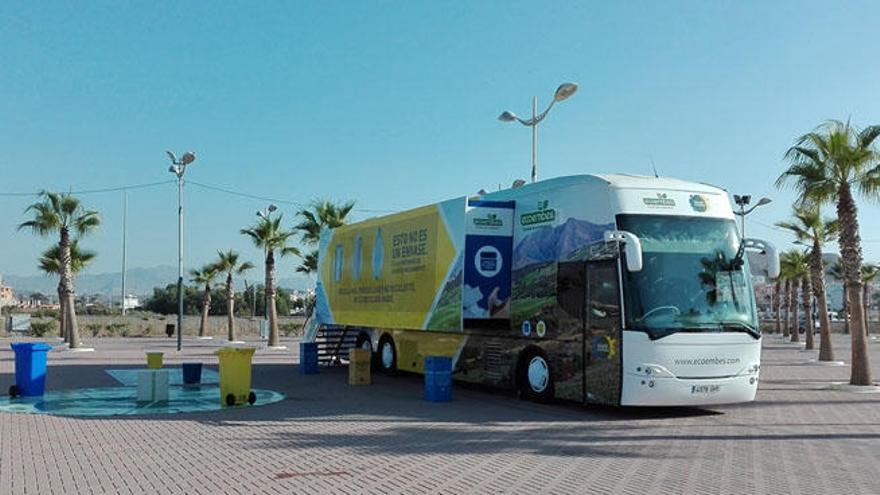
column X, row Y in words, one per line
column 395, row 105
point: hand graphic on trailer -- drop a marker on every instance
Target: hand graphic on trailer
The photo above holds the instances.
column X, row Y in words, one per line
column 498, row 308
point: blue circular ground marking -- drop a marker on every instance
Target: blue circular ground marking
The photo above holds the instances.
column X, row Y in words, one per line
column 122, row 401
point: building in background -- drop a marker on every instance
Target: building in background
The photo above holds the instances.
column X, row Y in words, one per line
column 131, row 302
column 7, row 296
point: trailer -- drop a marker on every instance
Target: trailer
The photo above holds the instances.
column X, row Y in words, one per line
column 610, row 289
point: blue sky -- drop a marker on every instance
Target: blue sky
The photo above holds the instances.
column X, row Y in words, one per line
column 394, row 104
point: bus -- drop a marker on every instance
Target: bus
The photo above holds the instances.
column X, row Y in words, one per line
column 608, row 289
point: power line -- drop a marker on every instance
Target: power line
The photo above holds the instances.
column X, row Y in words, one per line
column 272, row 200
column 97, row 191
column 195, row 183
column 245, row 195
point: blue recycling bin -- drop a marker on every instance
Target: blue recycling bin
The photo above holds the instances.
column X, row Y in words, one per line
column 192, row 373
column 438, row 378
column 308, row 358
column 30, row 368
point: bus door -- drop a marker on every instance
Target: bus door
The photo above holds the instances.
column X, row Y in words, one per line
column 602, row 333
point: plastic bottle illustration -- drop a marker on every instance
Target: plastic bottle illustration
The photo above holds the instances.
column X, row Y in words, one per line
column 357, row 258
column 337, row 265
column 378, row 255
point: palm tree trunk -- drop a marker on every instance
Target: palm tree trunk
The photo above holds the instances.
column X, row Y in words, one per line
column 206, row 307
column 867, row 307
column 777, row 305
column 793, row 303
column 270, row 295
column 230, row 307
column 68, row 295
column 826, row 351
column 62, row 317
column 786, row 331
column 851, row 254
column 806, row 301
column 845, row 308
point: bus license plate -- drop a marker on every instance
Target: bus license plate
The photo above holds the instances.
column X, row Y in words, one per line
column 705, row 389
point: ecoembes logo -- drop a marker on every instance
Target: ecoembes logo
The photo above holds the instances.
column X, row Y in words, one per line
column 661, row 201
column 491, row 221
column 544, row 214
column 699, row 203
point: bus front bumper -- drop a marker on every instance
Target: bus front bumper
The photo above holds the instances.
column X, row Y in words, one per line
column 647, row 390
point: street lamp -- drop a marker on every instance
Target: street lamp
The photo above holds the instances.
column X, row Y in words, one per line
column 563, row 92
column 178, row 168
column 742, row 202
column 266, row 214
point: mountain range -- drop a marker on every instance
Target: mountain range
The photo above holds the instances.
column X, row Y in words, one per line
column 555, row 243
column 138, row 281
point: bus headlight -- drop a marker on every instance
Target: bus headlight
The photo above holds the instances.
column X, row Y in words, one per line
column 653, row 371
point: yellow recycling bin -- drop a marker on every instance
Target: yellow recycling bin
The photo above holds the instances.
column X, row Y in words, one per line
column 154, row 360
column 358, row 367
column 235, row 375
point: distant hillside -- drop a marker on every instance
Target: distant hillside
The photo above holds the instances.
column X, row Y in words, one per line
column 139, row 281
column 554, row 243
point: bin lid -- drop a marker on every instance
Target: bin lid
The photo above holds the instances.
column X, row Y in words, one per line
column 30, row 346
column 229, row 351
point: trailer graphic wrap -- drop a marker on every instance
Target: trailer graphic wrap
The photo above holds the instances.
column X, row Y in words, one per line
column 487, row 266
column 392, row 272
column 548, row 232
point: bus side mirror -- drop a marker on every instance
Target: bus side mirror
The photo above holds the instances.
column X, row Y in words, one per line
column 632, row 247
column 766, row 253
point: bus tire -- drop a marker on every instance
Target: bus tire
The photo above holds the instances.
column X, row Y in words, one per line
column 534, row 376
column 386, row 355
column 364, row 342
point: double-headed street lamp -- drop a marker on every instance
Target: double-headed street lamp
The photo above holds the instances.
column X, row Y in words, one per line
column 266, row 214
column 563, row 92
column 178, row 168
column 742, row 202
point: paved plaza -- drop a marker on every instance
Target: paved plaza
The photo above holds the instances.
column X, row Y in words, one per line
column 804, row 434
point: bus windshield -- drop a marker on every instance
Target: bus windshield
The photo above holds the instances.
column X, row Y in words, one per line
column 694, row 277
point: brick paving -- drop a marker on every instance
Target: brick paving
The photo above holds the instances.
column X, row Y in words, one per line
column 799, row 437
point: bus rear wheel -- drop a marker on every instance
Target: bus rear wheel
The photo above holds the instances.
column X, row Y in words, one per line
column 363, row 342
column 386, row 355
column 535, row 377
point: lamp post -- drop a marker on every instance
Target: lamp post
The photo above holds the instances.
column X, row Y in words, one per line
column 178, row 168
column 742, row 202
column 124, row 238
column 564, row 91
column 266, row 214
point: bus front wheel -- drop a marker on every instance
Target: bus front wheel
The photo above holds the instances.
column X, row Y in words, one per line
column 386, row 355
column 535, row 378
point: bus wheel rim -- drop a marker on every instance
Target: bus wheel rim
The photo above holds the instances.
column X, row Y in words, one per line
column 538, row 374
column 387, row 355
column 366, row 345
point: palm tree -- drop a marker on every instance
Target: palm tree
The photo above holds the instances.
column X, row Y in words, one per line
column 229, row 264
column 321, row 215
column 50, row 263
column 869, row 274
column 786, row 330
column 777, row 302
column 205, row 276
column 309, row 263
column 65, row 215
column 826, row 166
column 836, row 272
column 810, row 229
column 794, row 266
column 268, row 235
